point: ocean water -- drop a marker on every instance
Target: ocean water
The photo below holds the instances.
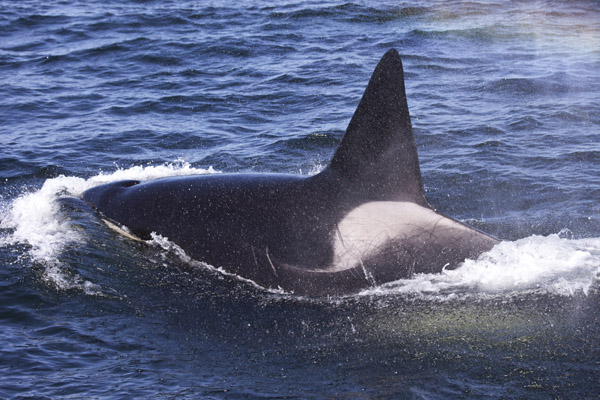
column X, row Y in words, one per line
column 504, row 98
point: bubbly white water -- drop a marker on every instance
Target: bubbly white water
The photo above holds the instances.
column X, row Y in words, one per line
column 34, row 219
column 548, row 264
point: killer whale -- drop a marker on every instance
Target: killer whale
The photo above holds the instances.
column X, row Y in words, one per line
column 362, row 221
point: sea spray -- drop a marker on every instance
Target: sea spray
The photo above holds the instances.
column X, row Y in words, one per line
column 34, row 218
column 546, row 264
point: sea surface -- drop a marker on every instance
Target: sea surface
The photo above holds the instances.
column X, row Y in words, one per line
column 505, row 104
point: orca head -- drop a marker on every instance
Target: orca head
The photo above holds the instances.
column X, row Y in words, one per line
column 102, row 196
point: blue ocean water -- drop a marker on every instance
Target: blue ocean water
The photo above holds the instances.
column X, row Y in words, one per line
column 506, row 113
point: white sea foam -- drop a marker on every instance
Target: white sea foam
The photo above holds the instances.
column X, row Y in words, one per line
column 34, row 218
column 547, row 264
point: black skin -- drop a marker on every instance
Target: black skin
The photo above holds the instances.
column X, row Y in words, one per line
column 280, row 230
column 272, row 228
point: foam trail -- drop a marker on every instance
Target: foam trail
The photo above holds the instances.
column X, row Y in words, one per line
column 542, row 264
column 34, row 219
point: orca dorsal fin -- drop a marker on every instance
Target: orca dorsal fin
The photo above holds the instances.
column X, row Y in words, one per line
column 378, row 155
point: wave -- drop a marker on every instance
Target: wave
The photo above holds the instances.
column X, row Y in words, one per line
column 35, row 220
column 554, row 264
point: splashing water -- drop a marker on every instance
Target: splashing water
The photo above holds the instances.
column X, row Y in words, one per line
column 548, row 264
column 34, row 219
